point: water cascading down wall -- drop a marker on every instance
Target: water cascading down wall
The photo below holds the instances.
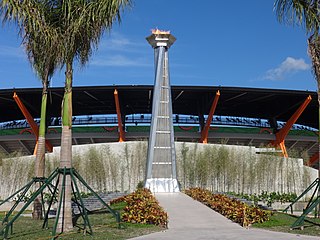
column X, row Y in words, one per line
column 161, row 174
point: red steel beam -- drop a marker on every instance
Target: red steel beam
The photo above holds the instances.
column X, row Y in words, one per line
column 282, row 134
column 313, row 159
column 205, row 130
column 120, row 128
column 30, row 120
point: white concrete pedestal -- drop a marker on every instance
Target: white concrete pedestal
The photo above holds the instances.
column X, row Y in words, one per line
column 161, row 185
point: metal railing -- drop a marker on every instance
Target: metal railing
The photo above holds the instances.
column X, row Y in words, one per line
column 143, row 119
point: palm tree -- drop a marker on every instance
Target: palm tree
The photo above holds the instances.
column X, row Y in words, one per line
column 39, row 39
column 307, row 14
column 76, row 27
column 45, row 63
column 81, row 24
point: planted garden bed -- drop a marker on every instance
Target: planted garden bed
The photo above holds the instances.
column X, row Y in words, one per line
column 233, row 209
column 142, row 207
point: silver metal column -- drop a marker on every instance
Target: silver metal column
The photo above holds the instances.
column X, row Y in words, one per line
column 161, row 175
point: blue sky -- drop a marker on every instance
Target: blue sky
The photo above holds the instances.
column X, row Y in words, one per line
column 227, row 43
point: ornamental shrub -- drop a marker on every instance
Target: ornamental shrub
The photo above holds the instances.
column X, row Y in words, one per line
column 266, row 197
column 142, row 207
column 233, row 209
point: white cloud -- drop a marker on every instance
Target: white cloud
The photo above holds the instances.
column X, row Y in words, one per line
column 118, row 42
column 116, row 50
column 120, row 61
column 7, row 51
column 288, row 66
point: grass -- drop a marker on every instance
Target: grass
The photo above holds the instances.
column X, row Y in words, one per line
column 104, row 227
column 281, row 222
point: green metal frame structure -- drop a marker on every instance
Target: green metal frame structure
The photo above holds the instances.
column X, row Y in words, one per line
column 21, row 194
column 312, row 204
column 57, row 175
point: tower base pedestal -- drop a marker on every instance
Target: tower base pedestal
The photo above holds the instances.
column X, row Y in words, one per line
column 162, row 185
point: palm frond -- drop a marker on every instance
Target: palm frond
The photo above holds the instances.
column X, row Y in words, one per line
column 36, row 28
column 90, row 19
column 300, row 12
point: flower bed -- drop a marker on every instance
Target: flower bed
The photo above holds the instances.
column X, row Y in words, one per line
column 231, row 208
column 142, row 207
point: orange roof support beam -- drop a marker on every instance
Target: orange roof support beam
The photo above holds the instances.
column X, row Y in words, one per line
column 283, row 149
column 313, row 159
column 120, row 126
column 205, row 130
column 282, row 134
column 30, row 120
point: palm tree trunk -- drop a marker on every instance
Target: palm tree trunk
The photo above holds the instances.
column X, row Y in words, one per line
column 314, row 45
column 65, row 218
column 40, row 155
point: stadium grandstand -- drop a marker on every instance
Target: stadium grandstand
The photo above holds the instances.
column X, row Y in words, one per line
column 284, row 119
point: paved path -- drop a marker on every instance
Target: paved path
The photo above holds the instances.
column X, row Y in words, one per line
column 191, row 220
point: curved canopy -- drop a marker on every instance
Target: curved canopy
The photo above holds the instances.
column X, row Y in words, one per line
column 189, row 100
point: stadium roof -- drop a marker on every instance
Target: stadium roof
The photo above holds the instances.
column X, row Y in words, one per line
column 240, row 103
column 189, row 100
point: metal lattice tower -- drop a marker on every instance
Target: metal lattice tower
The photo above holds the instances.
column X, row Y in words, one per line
column 161, row 173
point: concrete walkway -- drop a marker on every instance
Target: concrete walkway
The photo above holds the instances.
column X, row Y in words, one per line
column 191, row 220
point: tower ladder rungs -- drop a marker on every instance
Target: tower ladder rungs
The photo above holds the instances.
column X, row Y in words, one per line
column 161, row 163
column 164, row 132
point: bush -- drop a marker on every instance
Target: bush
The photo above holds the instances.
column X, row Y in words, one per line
column 268, row 198
column 233, row 209
column 140, row 185
column 142, row 207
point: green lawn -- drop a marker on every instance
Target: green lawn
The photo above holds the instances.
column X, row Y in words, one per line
column 103, row 225
column 281, row 222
